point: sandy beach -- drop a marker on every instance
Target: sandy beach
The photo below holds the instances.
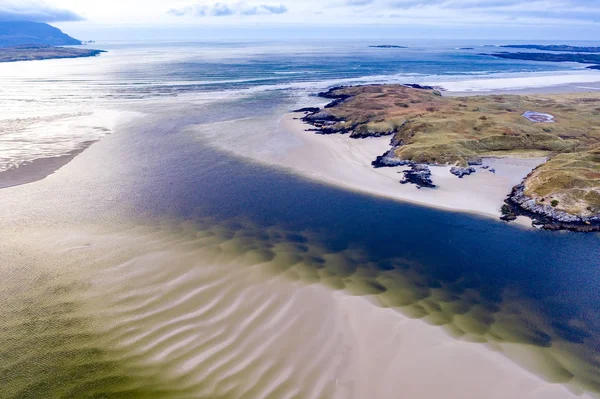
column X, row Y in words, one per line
column 346, row 162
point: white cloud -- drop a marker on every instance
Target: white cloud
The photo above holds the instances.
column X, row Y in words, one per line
column 36, row 11
column 223, row 9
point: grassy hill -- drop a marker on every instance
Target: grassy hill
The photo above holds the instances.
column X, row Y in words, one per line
column 17, row 33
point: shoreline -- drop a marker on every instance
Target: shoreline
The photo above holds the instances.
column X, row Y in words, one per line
column 344, row 162
column 44, row 52
column 39, row 168
column 348, row 114
column 83, row 130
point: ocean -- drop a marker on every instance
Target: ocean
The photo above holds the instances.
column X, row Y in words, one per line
column 155, row 263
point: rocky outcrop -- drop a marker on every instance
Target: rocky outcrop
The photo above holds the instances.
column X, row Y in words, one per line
column 389, row 160
column 419, row 175
column 545, row 216
column 311, row 110
column 462, row 172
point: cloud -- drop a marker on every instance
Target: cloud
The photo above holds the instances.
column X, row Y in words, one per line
column 35, row 11
column 476, row 12
column 220, row 9
column 264, row 9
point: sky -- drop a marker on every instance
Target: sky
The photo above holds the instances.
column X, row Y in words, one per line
column 186, row 19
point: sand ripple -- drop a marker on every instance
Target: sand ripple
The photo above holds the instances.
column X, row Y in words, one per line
column 232, row 311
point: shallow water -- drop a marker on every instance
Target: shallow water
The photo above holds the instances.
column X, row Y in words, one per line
column 153, row 265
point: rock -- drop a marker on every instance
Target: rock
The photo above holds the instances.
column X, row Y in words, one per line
column 462, row 172
column 420, row 175
column 389, row 160
column 418, row 86
column 310, row 110
column 320, row 117
column 546, row 216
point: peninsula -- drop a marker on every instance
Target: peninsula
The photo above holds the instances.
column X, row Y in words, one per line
column 582, row 58
column 428, row 129
column 42, row 52
column 30, row 41
column 555, row 47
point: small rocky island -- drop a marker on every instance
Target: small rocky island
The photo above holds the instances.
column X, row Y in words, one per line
column 42, row 52
column 429, row 129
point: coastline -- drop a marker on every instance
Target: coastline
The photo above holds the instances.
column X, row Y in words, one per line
column 345, row 162
column 55, row 140
column 38, row 169
column 419, row 145
column 41, row 52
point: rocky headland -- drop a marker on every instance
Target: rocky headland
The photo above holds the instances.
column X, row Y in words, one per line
column 427, row 129
column 43, row 52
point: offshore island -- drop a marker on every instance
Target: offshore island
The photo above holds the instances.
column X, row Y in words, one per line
column 428, row 129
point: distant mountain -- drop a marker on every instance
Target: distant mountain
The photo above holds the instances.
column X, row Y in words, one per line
column 17, row 33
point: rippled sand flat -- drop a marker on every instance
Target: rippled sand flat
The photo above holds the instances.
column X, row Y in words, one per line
column 234, row 311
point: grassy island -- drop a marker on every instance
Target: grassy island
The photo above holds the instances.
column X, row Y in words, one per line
column 427, row 128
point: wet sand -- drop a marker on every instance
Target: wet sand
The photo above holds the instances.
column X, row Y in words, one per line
column 35, row 148
column 197, row 311
column 37, row 169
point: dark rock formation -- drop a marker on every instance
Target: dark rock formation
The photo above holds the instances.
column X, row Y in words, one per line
column 419, row 87
column 545, row 216
column 462, row 172
column 310, row 110
column 419, row 175
column 389, row 160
